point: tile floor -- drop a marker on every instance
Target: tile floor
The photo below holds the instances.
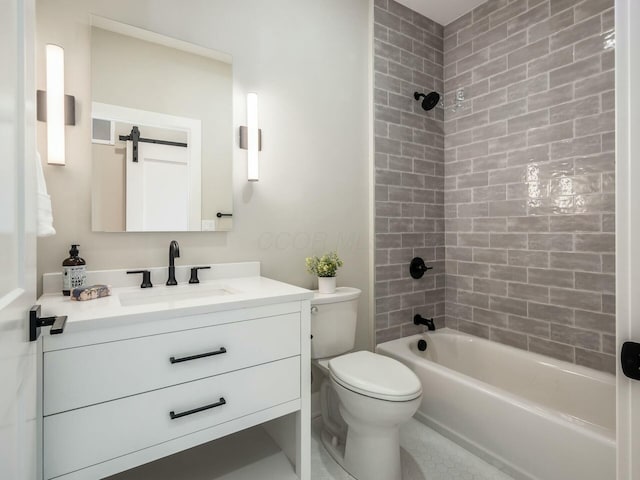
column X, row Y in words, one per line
column 426, row 455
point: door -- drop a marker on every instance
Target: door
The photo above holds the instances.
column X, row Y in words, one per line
column 158, row 197
column 17, row 241
column 628, row 227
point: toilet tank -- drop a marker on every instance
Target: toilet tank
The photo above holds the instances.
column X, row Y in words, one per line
column 333, row 322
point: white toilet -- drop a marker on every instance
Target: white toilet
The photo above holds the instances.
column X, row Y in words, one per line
column 364, row 397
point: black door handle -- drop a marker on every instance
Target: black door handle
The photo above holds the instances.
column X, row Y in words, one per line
column 57, row 324
column 195, row 357
column 219, row 403
column 630, row 358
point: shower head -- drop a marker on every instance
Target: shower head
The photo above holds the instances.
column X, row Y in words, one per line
column 430, row 99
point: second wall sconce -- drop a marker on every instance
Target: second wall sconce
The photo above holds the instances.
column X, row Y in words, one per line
column 251, row 138
column 54, row 107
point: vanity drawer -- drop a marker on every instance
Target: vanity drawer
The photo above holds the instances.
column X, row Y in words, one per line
column 87, row 436
column 83, row 376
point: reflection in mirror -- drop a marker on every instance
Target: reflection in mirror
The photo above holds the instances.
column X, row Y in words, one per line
column 153, row 183
column 162, row 132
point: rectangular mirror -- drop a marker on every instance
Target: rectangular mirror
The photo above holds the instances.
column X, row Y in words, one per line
column 162, row 137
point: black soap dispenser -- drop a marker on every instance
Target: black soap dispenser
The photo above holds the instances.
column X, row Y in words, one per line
column 74, row 271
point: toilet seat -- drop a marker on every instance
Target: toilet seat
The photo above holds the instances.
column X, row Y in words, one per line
column 375, row 376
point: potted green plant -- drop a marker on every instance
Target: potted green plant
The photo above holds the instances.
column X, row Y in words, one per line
column 325, row 268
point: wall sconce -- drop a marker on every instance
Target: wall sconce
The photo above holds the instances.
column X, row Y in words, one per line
column 54, row 107
column 251, row 138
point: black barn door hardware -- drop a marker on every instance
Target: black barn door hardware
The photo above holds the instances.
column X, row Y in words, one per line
column 57, row 324
column 135, row 138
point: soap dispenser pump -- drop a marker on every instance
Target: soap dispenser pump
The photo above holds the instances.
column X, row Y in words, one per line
column 74, row 271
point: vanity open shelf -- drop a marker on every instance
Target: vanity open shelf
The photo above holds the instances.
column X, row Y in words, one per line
column 247, row 455
column 130, row 383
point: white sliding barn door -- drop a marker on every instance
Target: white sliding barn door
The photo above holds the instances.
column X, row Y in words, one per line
column 18, row 445
column 158, row 197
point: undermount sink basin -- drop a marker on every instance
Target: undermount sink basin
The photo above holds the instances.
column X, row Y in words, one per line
column 173, row 294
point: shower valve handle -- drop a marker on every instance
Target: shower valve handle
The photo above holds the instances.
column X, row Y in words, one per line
column 417, row 268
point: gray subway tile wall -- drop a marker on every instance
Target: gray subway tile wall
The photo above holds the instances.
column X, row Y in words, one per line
column 541, row 106
column 409, row 146
column 509, row 192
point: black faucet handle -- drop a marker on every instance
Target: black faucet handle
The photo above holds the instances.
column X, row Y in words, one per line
column 194, row 273
column 146, row 277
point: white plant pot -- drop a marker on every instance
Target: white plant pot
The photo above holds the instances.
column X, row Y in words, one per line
column 326, row 284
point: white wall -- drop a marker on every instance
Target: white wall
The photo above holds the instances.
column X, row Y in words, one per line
column 309, row 62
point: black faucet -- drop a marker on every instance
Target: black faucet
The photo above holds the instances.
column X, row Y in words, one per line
column 174, row 251
column 428, row 322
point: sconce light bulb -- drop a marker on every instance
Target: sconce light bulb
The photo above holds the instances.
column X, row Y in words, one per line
column 55, row 105
column 253, row 171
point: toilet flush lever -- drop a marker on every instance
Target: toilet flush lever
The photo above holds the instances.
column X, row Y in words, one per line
column 314, row 310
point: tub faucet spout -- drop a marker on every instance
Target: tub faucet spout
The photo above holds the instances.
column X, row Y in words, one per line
column 428, row 322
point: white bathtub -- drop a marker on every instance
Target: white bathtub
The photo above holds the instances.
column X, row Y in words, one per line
column 530, row 415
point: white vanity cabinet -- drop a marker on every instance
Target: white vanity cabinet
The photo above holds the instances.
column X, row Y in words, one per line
column 157, row 383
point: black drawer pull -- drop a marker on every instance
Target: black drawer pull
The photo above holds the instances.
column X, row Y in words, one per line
column 219, row 403
column 195, row 357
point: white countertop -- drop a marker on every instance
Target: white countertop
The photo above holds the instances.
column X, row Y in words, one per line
column 241, row 292
column 246, row 292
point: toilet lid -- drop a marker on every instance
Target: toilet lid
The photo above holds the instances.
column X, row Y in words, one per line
column 375, row 376
column 342, row 294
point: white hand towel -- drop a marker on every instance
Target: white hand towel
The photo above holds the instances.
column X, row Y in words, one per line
column 45, row 214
